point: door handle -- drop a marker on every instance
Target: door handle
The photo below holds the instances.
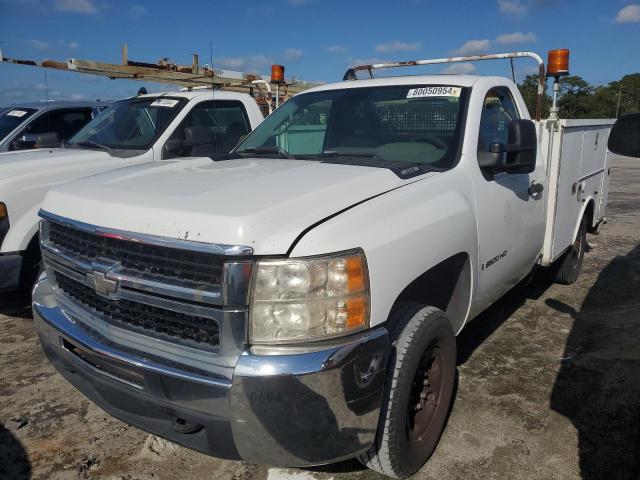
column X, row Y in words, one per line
column 535, row 190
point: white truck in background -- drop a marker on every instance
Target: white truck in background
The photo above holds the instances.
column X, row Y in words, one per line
column 297, row 302
column 134, row 131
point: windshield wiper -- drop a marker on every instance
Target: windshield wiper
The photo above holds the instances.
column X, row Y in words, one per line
column 267, row 151
column 92, row 144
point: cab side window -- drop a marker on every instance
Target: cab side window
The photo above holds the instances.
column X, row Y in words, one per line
column 64, row 122
column 208, row 129
column 498, row 110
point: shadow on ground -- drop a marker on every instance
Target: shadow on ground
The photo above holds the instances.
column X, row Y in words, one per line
column 483, row 326
column 14, row 462
column 598, row 385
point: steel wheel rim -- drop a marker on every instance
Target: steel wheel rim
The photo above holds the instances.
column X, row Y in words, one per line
column 426, row 392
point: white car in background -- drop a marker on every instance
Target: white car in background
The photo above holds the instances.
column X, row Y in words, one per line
column 142, row 129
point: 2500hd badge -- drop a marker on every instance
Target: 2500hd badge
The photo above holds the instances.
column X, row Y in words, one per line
column 488, row 263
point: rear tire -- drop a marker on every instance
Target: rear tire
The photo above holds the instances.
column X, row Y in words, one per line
column 418, row 391
column 570, row 264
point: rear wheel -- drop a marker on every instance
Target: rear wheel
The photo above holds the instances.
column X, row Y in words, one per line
column 570, row 264
column 418, row 391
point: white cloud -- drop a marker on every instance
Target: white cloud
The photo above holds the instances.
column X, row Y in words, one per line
column 460, row 69
column 39, row 44
column 512, row 8
column 137, row 11
column 73, row 45
column 230, row 62
column 473, row 47
column 77, row 96
column 629, row 14
column 336, row 49
column 397, row 46
column 255, row 63
column 292, row 55
column 77, row 6
column 516, row 37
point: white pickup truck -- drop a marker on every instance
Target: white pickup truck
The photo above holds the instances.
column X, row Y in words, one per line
column 297, row 302
column 137, row 130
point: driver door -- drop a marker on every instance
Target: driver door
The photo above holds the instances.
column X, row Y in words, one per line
column 510, row 218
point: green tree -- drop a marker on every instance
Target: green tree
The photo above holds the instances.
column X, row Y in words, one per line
column 627, row 90
column 574, row 101
column 529, row 90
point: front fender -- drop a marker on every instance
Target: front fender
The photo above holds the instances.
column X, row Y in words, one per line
column 22, row 230
column 403, row 233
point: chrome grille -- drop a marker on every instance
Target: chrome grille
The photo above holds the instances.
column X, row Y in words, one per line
column 140, row 257
column 143, row 318
column 171, row 290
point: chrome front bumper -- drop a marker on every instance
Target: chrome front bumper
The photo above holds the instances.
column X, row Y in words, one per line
column 279, row 407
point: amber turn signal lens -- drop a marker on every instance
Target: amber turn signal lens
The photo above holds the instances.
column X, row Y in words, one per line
column 356, row 313
column 558, row 63
column 356, row 280
column 3, row 211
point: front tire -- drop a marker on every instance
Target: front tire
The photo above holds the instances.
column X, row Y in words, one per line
column 418, row 391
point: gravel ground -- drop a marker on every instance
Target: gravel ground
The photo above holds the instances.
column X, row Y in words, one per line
column 549, row 387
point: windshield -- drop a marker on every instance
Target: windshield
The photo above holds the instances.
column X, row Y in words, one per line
column 132, row 124
column 11, row 118
column 415, row 124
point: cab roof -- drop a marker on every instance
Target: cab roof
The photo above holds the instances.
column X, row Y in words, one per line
column 453, row 80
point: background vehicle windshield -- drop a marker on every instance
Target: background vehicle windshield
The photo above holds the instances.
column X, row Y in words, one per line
column 13, row 117
column 132, row 124
column 417, row 124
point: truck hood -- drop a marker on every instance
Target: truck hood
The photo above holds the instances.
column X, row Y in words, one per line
column 263, row 203
column 32, row 162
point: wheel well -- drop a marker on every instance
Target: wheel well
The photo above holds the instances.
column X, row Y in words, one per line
column 446, row 286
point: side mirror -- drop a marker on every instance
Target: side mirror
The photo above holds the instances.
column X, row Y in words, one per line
column 48, row 140
column 519, row 156
column 624, row 138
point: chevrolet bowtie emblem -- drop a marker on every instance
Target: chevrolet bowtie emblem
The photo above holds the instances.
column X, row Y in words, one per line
column 101, row 283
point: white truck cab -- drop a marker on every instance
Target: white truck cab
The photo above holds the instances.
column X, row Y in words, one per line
column 134, row 131
column 296, row 302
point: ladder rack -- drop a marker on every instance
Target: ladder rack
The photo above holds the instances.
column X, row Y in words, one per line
column 164, row 71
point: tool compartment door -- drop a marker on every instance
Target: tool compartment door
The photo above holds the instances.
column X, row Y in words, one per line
column 582, row 163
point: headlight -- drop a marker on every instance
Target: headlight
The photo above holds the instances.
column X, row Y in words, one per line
column 299, row 300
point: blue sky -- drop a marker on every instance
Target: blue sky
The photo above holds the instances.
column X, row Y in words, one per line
column 315, row 39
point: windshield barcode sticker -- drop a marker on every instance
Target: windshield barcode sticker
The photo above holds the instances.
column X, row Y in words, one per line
column 434, row 92
column 16, row 113
column 164, row 102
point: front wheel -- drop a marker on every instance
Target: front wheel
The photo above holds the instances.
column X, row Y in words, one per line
column 418, row 391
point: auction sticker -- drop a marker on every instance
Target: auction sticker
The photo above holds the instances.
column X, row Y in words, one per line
column 434, row 92
column 164, row 102
column 16, row 113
